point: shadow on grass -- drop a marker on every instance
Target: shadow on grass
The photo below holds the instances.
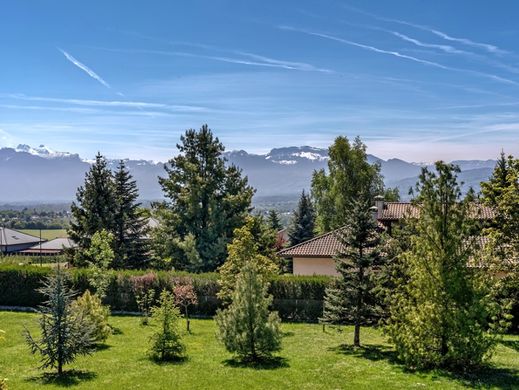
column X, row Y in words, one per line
column 101, row 347
column 68, row 378
column 288, row 334
column 116, row 331
column 272, row 363
column 485, row 376
column 176, row 361
column 513, row 344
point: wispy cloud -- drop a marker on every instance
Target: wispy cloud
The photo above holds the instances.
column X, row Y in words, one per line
column 400, row 55
column 445, row 48
column 469, row 42
column 84, row 68
column 108, row 103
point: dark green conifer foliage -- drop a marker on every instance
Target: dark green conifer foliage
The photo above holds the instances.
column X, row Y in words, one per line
column 94, row 207
column 302, row 225
column 64, row 334
column 351, row 297
column 273, row 220
column 206, row 198
column 129, row 224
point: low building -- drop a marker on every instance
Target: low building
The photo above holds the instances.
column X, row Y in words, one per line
column 12, row 241
column 317, row 255
column 53, row 247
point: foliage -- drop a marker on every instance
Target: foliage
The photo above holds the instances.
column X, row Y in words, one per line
column 392, row 195
column 247, row 327
column 296, row 298
column 349, row 174
column 144, row 294
column 185, row 296
column 108, row 201
column 3, row 381
column 166, row 343
column 442, row 310
column 93, row 209
column 303, row 221
column 88, row 307
column 274, row 221
column 243, row 250
column 129, row 222
column 351, row 298
column 63, row 334
column 205, row 197
column 501, row 193
column 101, row 256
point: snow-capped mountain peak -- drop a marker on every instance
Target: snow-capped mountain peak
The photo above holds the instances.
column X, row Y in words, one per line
column 41, row 151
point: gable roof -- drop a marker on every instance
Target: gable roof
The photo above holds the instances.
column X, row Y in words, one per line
column 55, row 244
column 14, row 237
column 328, row 245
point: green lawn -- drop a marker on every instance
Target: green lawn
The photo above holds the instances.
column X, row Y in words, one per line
column 310, row 359
column 46, row 234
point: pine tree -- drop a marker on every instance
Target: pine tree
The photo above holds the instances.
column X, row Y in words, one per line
column 129, row 224
column 206, row 198
column 247, row 327
column 166, row 341
column 273, row 220
column 94, row 208
column 244, row 249
column 351, row 298
column 303, row 221
column 349, row 175
column 63, row 334
column 441, row 309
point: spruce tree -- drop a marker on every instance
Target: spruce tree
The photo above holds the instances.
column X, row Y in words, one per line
column 94, row 209
column 64, row 335
column 247, row 327
column 351, row 297
column 441, row 311
column 129, row 224
column 273, row 220
column 303, row 221
column 205, row 198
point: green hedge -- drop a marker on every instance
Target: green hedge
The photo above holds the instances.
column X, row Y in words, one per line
column 296, row 298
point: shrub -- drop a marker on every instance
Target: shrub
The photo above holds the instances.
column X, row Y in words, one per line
column 63, row 336
column 89, row 308
column 144, row 294
column 166, row 343
column 246, row 327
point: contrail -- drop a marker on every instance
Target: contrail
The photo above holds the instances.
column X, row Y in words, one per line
column 85, row 68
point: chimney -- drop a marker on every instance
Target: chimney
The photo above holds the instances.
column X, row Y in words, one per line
column 379, row 206
column 374, row 212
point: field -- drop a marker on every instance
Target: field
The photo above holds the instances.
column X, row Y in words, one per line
column 46, row 234
column 310, row 359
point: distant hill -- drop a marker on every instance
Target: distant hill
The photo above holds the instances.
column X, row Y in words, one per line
column 41, row 175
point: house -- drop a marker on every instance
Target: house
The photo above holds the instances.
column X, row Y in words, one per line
column 50, row 248
column 317, row 255
column 12, row 241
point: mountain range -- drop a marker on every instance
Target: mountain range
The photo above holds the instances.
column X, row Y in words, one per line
column 42, row 175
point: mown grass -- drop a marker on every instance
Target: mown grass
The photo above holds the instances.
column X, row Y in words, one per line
column 310, row 359
column 46, row 234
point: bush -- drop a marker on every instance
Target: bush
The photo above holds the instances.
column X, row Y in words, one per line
column 247, row 327
column 89, row 308
column 296, row 298
column 166, row 343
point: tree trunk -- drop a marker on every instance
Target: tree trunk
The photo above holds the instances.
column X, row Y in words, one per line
column 356, row 337
column 187, row 321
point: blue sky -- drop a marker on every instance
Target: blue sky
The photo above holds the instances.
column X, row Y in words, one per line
column 418, row 80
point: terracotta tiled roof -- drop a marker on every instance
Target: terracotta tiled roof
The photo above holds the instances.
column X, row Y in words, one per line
column 326, row 245
column 394, row 211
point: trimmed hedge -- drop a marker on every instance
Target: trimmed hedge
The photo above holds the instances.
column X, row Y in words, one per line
column 296, row 298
